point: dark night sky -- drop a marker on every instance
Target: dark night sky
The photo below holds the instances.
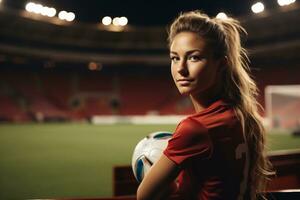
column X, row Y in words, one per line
column 142, row 12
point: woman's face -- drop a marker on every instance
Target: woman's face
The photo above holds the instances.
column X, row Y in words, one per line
column 193, row 67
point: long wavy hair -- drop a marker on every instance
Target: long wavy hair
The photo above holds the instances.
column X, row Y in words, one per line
column 223, row 36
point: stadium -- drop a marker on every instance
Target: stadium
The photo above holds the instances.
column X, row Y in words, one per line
column 81, row 84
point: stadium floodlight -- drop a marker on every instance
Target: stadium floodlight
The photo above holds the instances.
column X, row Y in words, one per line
column 258, row 7
column 106, row 20
column 221, row 15
column 123, row 21
column 33, row 7
column 70, row 16
column 62, row 15
column 44, row 11
column 38, row 8
column 51, row 12
column 285, row 2
column 116, row 21
column 30, row 7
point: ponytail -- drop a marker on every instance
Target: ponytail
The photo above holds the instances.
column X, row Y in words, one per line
column 242, row 90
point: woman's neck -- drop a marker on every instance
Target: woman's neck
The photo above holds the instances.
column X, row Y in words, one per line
column 198, row 106
column 204, row 99
column 202, row 103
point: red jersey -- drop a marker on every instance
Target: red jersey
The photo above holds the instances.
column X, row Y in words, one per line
column 210, row 149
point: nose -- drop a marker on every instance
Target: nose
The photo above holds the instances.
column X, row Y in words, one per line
column 182, row 68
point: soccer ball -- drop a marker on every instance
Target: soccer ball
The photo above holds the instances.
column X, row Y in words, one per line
column 147, row 152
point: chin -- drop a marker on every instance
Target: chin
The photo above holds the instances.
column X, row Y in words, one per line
column 185, row 91
column 188, row 91
column 184, row 94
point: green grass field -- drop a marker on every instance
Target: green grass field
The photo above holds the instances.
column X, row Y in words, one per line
column 74, row 160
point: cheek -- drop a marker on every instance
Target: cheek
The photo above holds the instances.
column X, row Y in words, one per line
column 206, row 77
column 173, row 71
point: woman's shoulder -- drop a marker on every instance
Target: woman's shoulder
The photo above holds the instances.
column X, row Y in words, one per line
column 220, row 114
column 190, row 126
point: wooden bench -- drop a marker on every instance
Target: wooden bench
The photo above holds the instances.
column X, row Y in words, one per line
column 287, row 166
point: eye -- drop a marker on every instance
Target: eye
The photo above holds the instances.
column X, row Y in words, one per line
column 174, row 58
column 195, row 58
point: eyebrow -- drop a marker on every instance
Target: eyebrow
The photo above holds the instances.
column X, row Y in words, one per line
column 188, row 52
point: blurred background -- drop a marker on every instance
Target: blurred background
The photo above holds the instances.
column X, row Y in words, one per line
column 81, row 82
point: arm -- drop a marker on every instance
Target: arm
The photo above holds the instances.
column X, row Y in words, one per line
column 159, row 182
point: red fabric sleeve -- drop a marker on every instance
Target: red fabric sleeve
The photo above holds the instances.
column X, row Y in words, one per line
column 189, row 141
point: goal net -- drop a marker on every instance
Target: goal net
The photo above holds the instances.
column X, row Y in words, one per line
column 283, row 106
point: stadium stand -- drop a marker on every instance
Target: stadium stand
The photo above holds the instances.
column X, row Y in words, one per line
column 151, row 92
column 72, row 94
column 10, row 111
column 57, row 86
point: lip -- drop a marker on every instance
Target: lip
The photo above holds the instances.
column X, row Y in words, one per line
column 184, row 81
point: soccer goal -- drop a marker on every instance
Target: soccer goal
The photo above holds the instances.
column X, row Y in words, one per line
column 283, row 106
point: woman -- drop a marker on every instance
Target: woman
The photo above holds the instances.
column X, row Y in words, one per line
column 218, row 152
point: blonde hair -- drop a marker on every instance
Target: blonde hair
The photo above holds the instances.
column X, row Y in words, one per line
column 223, row 36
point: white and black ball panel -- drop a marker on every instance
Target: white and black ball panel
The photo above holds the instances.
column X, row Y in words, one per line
column 148, row 151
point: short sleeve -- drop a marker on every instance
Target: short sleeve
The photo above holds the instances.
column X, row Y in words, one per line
column 189, row 141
